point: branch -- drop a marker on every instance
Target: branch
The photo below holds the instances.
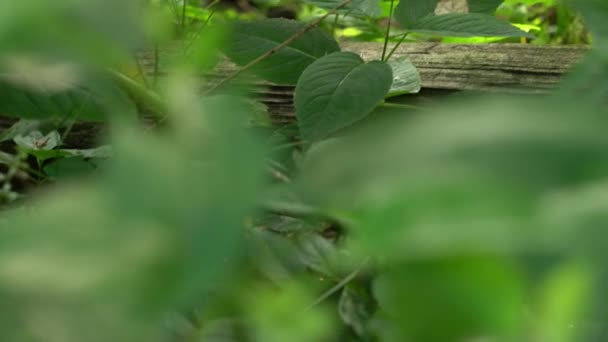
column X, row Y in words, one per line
column 274, row 50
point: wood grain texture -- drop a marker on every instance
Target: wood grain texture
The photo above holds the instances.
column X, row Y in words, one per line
column 520, row 68
column 512, row 68
column 504, row 68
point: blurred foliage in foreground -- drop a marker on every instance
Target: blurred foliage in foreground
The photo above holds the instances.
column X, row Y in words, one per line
column 481, row 220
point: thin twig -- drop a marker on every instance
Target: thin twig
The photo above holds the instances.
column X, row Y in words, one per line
column 274, row 50
column 200, row 30
column 388, row 30
column 339, row 285
column 278, row 174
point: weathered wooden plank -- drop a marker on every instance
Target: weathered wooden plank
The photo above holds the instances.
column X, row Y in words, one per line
column 507, row 68
column 521, row 68
column 518, row 68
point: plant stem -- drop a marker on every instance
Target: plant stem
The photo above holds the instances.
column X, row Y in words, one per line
column 339, row 285
column 400, row 106
column 294, row 210
column 388, row 30
column 140, row 94
column 184, row 15
column 333, row 29
column 68, row 129
column 274, row 50
column 156, row 65
column 396, row 46
column 198, row 33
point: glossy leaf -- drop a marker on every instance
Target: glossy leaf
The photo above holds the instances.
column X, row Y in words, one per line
column 252, row 39
column 338, row 90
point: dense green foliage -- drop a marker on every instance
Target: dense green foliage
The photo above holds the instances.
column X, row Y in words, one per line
column 480, row 218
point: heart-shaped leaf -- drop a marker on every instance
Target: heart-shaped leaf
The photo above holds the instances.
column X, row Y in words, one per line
column 252, row 39
column 464, row 25
column 338, row 90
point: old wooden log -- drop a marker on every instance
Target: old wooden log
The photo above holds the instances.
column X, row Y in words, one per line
column 512, row 68
column 522, row 68
column 506, row 68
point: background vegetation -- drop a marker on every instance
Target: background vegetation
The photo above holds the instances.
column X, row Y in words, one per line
column 193, row 217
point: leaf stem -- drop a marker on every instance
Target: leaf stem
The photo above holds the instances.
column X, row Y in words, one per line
column 396, row 46
column 388, row 30
column 399, row 105
column 274, row 50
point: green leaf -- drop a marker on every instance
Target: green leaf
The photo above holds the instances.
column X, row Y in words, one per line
column 57, row 94
column 465, row 25
column 35, row 140
column 316, row 252
column 355, row 308
column 104, row 152
column 369, row 8
column 484, row 6
column 565, row 293
column 65, row 168
column 410, row 11
column 253, row 39
column 20, row 127
column 338, row 90
column 594, row 13
column 276, row 315
column 465, row 296
column 406, row 78
column 28, row 104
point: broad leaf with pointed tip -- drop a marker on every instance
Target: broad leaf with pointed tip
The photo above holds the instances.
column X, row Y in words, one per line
column 464, row 25
column 338, row 90
column 252, row 39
